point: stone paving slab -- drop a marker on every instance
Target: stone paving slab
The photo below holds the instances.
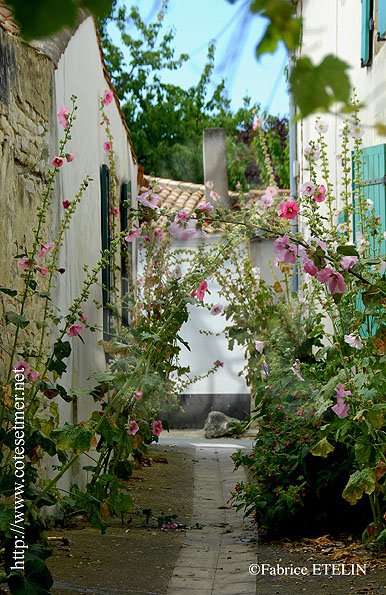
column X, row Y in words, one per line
column 215, row 560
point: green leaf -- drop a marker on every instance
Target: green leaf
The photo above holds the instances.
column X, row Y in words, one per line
column 322, row 448
column 16, row 319
column 7, row 291
column 360, row 482
column 74, row 438
column 329, row 78
column 375, row 417
column 347, row 250
column 100, row 8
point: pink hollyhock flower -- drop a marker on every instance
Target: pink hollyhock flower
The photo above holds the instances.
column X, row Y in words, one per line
column 320, row 193
column 83, row 317
column 134, row 233
column 347, row 262
column 157, row 427
column 22, row 365
column 201, row 289
column 288, row 209
column 354, row 341
column 157, row 233
column 70, row 157
column 308, row 189
column 238, row 186
column 186, row 232
column 181, row 216
column 147, row 239
column 74, row 330
column 333, row 280
column 42, row 270
column 138, row 394
column 57, row 161
column 33, row 375
column 271, row 191
column 312, row 153
column 108, row 97
column 285, row 250
column 45, row 249
column 149, row 199
column 218, row 364
column 115, row 211
column 266, row 200
column 133, row 428
column 25, row 263
column 257, row 123
column 63, row 114
column 259, row 346
column 209, row 184
column 309, row 266
column 214, row 195
column 217, row 309
column 66, row 203
column 107, row 146
column 205, row 207
column 341, row 408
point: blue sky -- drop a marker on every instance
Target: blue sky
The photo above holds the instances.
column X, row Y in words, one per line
column 196, row 22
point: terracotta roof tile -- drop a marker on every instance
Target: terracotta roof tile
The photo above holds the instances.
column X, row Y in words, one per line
column 178, row 195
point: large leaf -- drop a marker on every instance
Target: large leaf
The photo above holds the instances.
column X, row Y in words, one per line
column 40, row 18
column 77, row 439
column 316, row 87
column 16, row 319
column 361, row 482
column 322, row 448
column 347, row 250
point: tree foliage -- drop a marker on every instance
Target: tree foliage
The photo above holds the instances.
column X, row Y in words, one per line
column 166, row 121
column 41, row 18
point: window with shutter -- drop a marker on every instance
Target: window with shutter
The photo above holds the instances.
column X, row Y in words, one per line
column 106, row 244
column 126, row 252
column 374, row 179
column 382, row 18
column 366, row 33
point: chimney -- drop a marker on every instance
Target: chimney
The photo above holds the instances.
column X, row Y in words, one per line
column 215, row 163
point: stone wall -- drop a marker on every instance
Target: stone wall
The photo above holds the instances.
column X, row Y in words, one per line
column 26, row 143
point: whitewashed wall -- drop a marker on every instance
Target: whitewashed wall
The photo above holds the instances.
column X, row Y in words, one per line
column 334, row 27
column 80, row 72
column 207, row 349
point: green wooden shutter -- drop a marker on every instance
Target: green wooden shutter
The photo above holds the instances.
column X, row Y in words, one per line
column 382, row 18
column 126, row 252
column 374, row 172
column 366, row 33
column 106, row 244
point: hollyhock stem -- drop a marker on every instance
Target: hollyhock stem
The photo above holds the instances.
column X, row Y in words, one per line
column 55, row 254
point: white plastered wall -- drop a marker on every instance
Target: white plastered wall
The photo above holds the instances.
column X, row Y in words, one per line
column 334, row 27
column 204, row 349
column 80, row 72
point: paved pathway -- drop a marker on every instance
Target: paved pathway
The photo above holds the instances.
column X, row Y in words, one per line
column 215, row 560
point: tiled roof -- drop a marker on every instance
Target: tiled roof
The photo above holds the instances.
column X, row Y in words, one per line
column 177, row 195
